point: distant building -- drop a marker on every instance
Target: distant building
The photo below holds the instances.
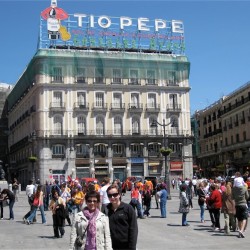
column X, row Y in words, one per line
column 224, row 134
column 86, row 102
column 4, row 92
column 89, row 113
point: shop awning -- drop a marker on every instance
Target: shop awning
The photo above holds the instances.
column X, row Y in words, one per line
column 82, row 162
column 119, row 161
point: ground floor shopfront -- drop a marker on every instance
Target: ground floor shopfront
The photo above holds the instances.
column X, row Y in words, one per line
column 116, row 168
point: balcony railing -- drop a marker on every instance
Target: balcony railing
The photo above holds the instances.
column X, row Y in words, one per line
column 100, row 107
column 152, row 107
column 80, row 106
column 80, row 79
column 150, row 81
column 57, row 106
column 134, row 81
column 99, row 80
column 135, row 107
column 58, row 133
column 174, row 107
column 117, row 80
column 82, row 155
column 117, row 106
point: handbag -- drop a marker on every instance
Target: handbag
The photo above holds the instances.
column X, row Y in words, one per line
column 79, row 239
column 36, row 202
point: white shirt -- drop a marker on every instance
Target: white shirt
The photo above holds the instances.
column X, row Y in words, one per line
column 194, row 182
column 30, row 189
column 104, row 195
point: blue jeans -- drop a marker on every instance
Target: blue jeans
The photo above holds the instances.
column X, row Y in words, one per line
column 41, row 208
column 32, row 214
column 136, row 204
column 202, row 207
column 163, row 209
column 11, row 204
column 46, row 202
column 184, row 219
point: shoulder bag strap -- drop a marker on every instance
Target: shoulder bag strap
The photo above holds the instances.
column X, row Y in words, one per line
column 85, row 231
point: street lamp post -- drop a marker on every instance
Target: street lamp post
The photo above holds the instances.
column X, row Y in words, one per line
column 33, row 157
column 167, row 181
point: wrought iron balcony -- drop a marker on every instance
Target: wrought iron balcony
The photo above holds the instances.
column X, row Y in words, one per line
column 135, row 107
column 153, row 107
column 100, row 107
column 117, row 106
column 80, row 106
column 150, row 81
column 174, row 107
column 57, row 106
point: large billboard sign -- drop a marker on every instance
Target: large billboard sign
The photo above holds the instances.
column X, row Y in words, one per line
column 58, row 28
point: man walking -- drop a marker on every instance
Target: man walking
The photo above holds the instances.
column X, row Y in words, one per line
column 103, row 194
column 240, row 195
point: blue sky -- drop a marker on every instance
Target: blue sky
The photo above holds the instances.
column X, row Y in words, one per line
column 217, row 37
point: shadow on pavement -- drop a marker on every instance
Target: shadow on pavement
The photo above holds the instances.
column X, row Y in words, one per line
column 174, row 225
column 47, row 237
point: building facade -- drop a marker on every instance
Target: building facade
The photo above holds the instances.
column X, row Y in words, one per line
column 89, row 113
column 4, row 161
column 224, row 134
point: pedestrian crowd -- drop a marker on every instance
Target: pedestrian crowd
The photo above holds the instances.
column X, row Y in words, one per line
column 229, row 197
column 99, row 219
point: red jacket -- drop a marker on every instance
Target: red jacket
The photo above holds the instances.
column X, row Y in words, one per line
column 215, row 200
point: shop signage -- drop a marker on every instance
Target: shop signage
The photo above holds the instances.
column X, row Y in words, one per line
column 176, row 165
column 136, row 160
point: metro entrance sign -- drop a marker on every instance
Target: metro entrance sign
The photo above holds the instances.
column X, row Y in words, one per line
column 88, row 31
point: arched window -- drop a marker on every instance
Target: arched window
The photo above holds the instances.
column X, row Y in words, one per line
column 152, row 130
column 100, row 126
column 58, row 125
column 151, row 100
column 81, row 125
column 174, row 125
column 118, row 149
column 58, row 150
column 82, row 150
column 57, row 99
column 135, row 125
column 118, row 125
column 173, row 101
column 81, row 98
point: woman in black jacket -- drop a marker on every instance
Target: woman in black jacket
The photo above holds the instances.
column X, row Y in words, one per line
column 122, row 221
column 201, row 200
column 6, row 194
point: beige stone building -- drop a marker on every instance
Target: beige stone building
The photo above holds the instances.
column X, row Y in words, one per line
column 224, row 134
column 89, row 113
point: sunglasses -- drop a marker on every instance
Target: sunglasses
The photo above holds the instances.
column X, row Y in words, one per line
column 113, row 195
column 91, row 201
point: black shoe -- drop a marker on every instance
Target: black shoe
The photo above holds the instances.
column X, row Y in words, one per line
column 241, row 235
column 185, row 225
